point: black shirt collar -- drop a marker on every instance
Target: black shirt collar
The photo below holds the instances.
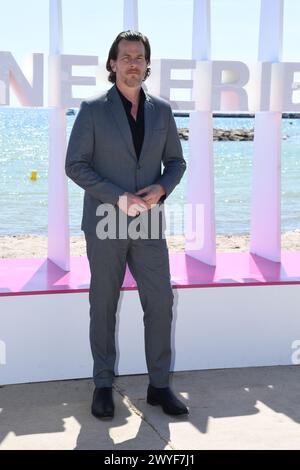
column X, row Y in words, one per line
column 127, row 103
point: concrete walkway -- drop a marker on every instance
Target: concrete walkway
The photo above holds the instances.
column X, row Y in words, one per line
column 251, row 408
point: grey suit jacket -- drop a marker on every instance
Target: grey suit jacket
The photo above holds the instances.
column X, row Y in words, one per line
column 101, row 157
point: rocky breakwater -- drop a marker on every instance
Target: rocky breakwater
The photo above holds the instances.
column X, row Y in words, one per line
column 222, row 134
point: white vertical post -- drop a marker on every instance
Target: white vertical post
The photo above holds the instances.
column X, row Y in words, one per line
column 266, row 187
column 58, row 211
column 130, row 15
column 201, row 45
column 200, row 165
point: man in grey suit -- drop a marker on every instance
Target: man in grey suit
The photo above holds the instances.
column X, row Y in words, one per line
column 116, row 150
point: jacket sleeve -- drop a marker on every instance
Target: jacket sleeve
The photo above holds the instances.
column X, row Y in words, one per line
column 173, row 161
column 79, row 160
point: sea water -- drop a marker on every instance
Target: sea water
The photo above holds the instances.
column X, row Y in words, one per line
column 24, row 147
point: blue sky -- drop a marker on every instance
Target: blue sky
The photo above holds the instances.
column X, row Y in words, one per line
column 90, row 26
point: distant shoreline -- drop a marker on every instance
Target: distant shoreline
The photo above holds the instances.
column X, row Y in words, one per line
column 35, row 246
column 237, row 115
column 183, row 113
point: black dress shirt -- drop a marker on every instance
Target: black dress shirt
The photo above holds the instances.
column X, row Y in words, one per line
column 137, row 126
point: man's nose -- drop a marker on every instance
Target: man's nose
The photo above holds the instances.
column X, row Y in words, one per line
column 133, row 61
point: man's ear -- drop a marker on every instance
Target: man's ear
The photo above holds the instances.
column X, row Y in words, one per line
column 112, row 65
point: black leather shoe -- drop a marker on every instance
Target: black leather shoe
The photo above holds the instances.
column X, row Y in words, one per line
column 166, row 398
column 103, row 404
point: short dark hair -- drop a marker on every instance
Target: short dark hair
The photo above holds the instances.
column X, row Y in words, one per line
column 113, row 52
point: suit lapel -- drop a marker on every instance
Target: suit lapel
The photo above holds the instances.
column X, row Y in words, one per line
column 149, row 123
column 119, row 115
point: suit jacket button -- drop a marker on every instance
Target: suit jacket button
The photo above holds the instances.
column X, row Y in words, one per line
column 138, row 167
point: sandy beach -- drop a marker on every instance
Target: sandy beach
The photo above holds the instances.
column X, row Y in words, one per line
column 35, row 246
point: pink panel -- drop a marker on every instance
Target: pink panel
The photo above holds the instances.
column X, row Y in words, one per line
column 40, row 276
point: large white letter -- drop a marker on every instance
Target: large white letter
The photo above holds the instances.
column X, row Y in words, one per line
column 283, row 86
column 167, row 83
column 229, row 78
column 61, row 79
column 28, row 91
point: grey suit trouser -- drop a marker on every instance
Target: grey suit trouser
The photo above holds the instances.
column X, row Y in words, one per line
column 148, row 262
